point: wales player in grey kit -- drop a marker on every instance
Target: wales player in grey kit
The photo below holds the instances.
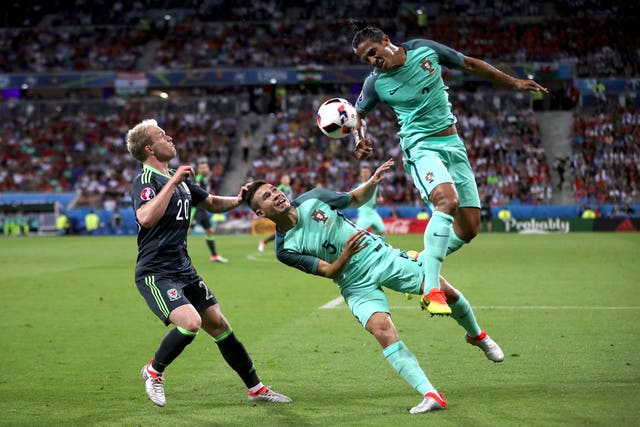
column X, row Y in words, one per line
column 166, row 278
column 408, row 78
column 315, row 237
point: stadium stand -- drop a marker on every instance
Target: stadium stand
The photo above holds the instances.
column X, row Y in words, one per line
column 606, row 155
column 71, row 141
column 600, row 40
column 80, row 147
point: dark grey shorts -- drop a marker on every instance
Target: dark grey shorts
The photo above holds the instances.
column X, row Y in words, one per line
column 164, row 294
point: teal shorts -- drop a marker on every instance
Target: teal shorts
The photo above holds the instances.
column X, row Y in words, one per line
column 370, row 219
column 397, row 271
column 441, row 159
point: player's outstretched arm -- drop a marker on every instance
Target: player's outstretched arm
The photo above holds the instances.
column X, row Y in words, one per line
column 220, row 203
column 483, row 69
column 223, row 204
column 360, row 195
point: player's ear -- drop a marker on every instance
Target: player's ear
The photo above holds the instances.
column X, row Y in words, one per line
column 259, row 212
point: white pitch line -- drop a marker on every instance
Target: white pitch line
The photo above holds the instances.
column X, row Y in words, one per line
column 335, row 303
column 332, row 304
column 551, row 307
column 259, row 257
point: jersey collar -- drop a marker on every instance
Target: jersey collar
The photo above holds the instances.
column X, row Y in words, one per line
column 152, row 169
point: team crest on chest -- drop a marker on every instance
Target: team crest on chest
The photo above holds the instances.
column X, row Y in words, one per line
column 427, row 65
column 319, row 216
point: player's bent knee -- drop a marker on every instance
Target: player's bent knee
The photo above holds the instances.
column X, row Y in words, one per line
column 448, row 205
column 382, row 328
column 186, row 317
column 445, row 198
column 468, row 236
column 191, row 325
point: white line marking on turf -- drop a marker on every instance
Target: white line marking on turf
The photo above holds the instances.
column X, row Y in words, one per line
column 260, row 258
column 333, row 303
column 552, row 307
column 542, row 307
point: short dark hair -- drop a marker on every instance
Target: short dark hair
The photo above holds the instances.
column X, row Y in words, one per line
column 364, row 31
column 248, row 195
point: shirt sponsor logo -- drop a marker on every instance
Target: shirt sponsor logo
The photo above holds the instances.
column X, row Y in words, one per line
column 147, row 193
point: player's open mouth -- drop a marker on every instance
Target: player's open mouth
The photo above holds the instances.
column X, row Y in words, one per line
column 280, row 202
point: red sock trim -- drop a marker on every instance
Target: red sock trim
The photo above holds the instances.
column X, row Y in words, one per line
column 438, row 397
column 264, row 389
column 150, row 372
column 480, row 337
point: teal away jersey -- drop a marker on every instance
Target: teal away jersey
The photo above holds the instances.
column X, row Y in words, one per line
column 321, row 233
column 415, row 91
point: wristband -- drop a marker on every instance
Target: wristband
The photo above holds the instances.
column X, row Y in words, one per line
column 359, row 134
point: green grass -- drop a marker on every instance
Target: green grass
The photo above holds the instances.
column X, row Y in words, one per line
column 74, row 333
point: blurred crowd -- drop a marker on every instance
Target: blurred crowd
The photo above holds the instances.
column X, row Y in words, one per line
column 80, row 147
column 600, row 39
column 606, row 155
column 76, row 149
column 83, row 149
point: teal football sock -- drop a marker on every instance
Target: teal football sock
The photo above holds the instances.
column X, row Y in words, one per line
column 408, row 367
column 462, row 312
column 454, row 242
column 436, row 237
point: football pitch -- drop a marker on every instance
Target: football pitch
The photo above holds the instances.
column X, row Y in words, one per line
column 74, row 334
